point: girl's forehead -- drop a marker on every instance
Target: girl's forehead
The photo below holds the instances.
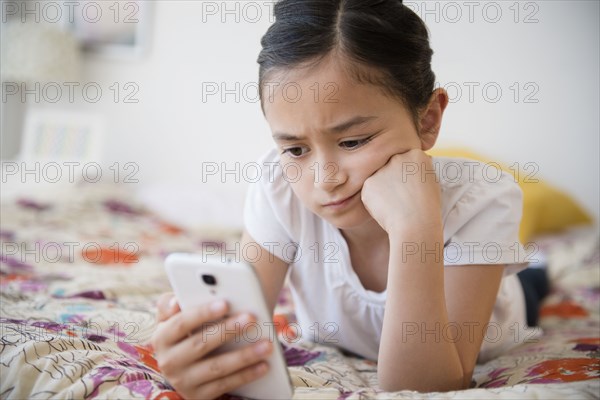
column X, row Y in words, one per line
column 322, row 72
column 298, row 118
column 333, row 78
column 320, row 94
column 292, row 100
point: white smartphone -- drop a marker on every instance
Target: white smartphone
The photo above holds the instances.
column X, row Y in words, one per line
column 199, row 279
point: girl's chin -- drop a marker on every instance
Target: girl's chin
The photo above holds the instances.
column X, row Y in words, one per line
column 348, row 221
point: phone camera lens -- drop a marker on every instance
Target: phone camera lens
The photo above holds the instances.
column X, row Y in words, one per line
column 209, row 279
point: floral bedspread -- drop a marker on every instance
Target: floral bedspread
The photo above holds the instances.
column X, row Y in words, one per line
column 80, row 274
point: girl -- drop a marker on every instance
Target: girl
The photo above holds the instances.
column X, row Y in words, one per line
column 396, row 256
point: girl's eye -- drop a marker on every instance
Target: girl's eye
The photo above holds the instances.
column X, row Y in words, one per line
column 294, row 151
column 354, row 144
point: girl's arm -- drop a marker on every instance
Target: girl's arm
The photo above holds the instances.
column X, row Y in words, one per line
column 426, row 303
column 270, row 269
column 471, row 292
column 427, row 307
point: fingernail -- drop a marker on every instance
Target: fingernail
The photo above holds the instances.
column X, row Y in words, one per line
column 243, row 318
column 262, row 348
column 218, row 306
column 172, row 303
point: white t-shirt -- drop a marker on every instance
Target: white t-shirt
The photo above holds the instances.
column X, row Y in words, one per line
column 481, row 211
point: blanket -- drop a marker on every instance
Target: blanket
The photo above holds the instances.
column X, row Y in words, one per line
column 80, row 275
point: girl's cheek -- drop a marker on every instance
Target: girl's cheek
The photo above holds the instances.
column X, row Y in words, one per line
column 302, row 188
column 370, row 162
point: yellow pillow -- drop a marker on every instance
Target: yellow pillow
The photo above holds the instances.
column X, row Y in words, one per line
column 545, row 208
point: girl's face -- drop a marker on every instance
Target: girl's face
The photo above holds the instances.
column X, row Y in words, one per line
column 333, row 134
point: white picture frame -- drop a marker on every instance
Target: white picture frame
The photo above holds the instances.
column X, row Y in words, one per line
column 62, row 135
column 116, row 29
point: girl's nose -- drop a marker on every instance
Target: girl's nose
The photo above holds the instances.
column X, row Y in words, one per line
column 328, row 175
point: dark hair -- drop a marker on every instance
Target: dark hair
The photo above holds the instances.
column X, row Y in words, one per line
column 385, row 36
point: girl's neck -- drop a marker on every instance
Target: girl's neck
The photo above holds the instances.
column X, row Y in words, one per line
column 366, row 234
column 369, row 245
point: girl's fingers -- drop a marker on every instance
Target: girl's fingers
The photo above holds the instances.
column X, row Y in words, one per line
column 227, row 384
column 167, row 306
column 227, row 364
column 184, row 323
column 210, row 337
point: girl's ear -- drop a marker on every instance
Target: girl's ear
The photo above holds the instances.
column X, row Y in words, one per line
column 430, row 120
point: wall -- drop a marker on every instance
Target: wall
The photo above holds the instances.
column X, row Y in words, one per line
column 547, row 53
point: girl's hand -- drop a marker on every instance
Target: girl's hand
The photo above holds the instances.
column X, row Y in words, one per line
column 404, row 194
column 181, row 347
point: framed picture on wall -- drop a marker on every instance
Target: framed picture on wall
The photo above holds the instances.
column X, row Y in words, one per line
column 62, row 135
column 112, row 28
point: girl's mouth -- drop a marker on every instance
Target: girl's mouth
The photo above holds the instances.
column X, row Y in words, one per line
column 341, row 203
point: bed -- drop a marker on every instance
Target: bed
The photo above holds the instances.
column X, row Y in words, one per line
column 80, row 273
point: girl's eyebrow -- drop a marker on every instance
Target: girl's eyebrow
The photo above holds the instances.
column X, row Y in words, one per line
column 337, row 129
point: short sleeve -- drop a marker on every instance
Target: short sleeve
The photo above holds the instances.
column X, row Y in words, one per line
column 265, row 216
column 481, row 224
